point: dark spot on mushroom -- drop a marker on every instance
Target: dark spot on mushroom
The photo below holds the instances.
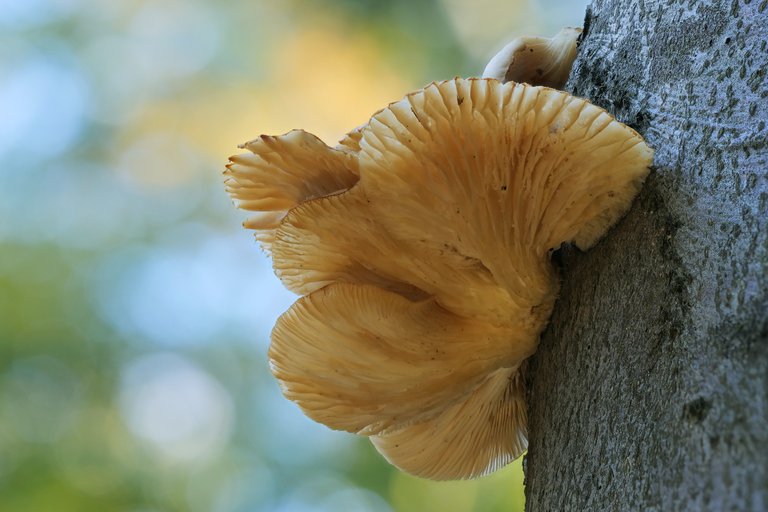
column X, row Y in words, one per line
column 460, row 100
column 530, row 49
column 503, row 188
column 539, row 71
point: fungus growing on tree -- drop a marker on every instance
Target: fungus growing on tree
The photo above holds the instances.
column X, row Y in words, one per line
column 421, row 246
column 534, row 60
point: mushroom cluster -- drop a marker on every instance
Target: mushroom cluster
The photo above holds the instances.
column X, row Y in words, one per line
column 421, row 246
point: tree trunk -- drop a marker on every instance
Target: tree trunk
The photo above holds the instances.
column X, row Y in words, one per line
column 649, row 389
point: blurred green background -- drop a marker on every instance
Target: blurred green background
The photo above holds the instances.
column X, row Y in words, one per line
column 134, row 310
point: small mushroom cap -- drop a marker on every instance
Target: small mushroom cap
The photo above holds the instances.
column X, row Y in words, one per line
column 536, row 60
column 282, row 172
column 421, row 245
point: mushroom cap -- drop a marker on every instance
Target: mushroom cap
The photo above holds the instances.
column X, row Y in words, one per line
column 464, row 189
column 471, row 438
column 366, row 360
column 281, row 172
column 535, row 60
column 421, row 246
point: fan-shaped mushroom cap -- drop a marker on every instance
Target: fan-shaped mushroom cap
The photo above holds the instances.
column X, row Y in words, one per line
column 362, row 359
column 536, row 60
column 281, row 172
column 422, row 248
column 486, row 179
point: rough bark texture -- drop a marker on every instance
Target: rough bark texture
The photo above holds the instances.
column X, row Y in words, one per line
column 649, row 389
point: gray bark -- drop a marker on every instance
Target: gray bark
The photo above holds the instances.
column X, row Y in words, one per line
column 649, row 389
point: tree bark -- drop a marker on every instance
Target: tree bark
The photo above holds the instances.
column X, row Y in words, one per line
column 649, row 390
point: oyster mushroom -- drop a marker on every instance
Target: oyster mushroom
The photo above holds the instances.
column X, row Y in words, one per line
column 281, row 172
column 536, row 60
column 421, row 247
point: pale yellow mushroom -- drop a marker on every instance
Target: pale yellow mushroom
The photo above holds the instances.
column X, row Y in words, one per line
column 535, row 60
column 477, row 435
column 362, row 359
column 421, row 247
column 281, row 172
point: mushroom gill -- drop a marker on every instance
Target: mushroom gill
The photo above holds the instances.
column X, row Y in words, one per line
column 421, row 247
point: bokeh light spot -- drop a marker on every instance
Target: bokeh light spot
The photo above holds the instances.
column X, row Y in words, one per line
column 43, row 104
column 176, row 407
